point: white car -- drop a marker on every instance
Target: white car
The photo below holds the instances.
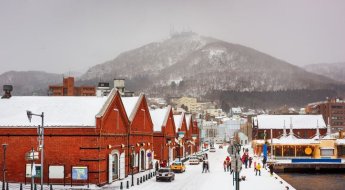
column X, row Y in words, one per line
column 212, row 149
column 193, row 160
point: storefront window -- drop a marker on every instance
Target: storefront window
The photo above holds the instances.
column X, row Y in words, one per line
column 327, row 152
column 278, row 151
column 289, row 151
column 300, row 151
column 341, row 150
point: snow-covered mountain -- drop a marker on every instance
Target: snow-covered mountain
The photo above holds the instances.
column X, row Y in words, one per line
column 201, row 64
column 335, row 71
column 186, row 64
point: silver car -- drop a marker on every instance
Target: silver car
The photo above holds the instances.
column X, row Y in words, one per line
column 165, row 174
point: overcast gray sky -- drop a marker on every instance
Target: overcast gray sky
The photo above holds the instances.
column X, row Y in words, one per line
column 66, row 35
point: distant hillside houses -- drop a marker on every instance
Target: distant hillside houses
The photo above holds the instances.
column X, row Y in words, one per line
column 191, row 104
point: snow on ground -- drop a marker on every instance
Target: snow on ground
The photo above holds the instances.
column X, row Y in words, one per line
column 217, row 179
column 193, row 178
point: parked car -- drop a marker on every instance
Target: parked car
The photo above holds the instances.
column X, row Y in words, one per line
column 194, row 160
column 212, row 149
column 178, row 167
column 165, row 174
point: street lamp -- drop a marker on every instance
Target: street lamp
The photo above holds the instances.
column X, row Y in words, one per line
column 4, row 146
column 180, row 135
column 237, row 172
column 40, row 133
column 132, row 164
column 168, row 141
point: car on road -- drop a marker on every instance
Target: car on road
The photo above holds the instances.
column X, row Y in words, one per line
column 212, row 149
column 178, row 167
column 165, row 174
column 193, row 160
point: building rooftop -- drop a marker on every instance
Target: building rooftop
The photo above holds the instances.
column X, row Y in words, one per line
column 158, row 117
column 129, row 103
column 298, row 121
column 69, row 111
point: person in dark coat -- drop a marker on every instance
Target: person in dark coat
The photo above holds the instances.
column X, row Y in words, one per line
column 207, row 166
column 264, row 162
column 225, row 165
column 270, row 167
column 250, row 159
column 203, row 166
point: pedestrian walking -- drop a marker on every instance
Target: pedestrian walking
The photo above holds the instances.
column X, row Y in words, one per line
column 228, row 163
column 250, row 159
column 255, row 165
column 245, row 159
column 203, row 166
column 207, row 166
column 270, row 167
column 264, row 160
column 225, row 165
column 258, row 168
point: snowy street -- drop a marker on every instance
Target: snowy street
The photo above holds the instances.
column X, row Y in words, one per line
column 217, row 179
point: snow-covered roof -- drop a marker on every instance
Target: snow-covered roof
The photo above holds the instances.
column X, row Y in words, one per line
column 298, row 121
column 178, row 121
column 340, row 142
column 289, row 141
column 130, row 103
column 69, row 111
column 236, row 110
column 188, row 120
column 158, row 117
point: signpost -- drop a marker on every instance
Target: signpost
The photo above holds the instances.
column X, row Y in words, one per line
column 236, row 163
column 32, row 156
column 230, row 150
column 80, row 173
column 233, row 164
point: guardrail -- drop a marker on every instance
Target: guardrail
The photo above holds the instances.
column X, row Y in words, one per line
column 316, row 160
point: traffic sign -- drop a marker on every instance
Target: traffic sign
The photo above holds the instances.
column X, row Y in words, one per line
column 230, row 149
column 233, row 164
column 31, row 155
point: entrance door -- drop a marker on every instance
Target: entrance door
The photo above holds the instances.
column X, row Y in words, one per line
column 142, row 161
column 115, row 168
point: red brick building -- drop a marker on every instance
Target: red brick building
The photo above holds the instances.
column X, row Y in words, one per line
column 78, row 131
column 181, row 127
column 192, row 144
column 332, row 109
column 140, row 134
column 68, row 89
column 164, row 133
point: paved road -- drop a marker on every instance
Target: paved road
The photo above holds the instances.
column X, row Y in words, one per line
column 217, row 179
column 194, row 179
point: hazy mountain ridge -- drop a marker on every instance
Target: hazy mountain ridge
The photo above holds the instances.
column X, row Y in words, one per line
column 148, row 59
column 335, row 71
column 30, row 82
column 205, row 64
column 187, row 64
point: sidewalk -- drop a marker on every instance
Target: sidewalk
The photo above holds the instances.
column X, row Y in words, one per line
column 263, row 182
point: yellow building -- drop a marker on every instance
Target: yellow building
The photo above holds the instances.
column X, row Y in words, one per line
column 189, row 102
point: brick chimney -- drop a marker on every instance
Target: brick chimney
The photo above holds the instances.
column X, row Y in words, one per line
column 8, row 89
